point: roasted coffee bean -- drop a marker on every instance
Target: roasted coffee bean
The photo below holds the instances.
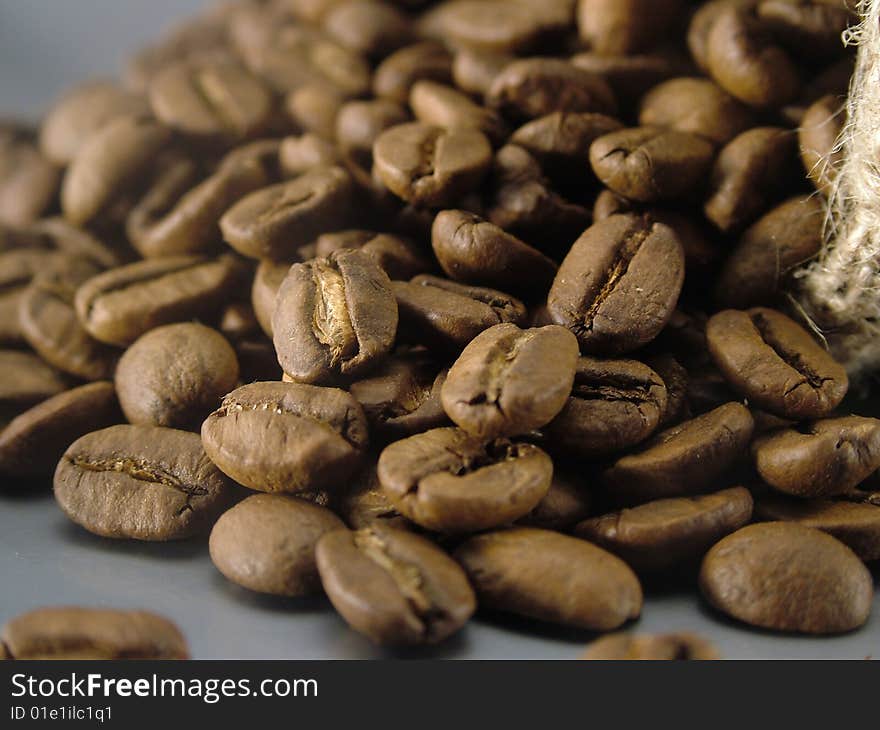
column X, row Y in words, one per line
column 698, row 106
column 27, row 380
column 474, row 251
column 648, row 164
column 474, row 71
column 398, row 257
column 534, row 87
column 314, row 108
column 669, row 534
column 402, row 398
column 365, row 503
column 286, row 437
column 334, row 317
column 120, row 305
column 701, row 23
column 751, row 172
column 766, row 254
column 359, row 124
column 787, row 577
column 651, row 647
column 18, row 267
column 396, row 75
column 92, row 633
column 820, row 458
column 618, row 261
column 267, row 282
column 684, row 459
column 430, row 166
column 855, row 524
column 810, row 29
column 28, row 181
column 551, row 577
column 615, row 404
column 566, row 503
column 675, row 379
column 818, row 134
column 775, row 363
column 300, row 153
column 448, row 481
column 108, row 163
column 394, row 587
column 175, row 375
column 742, row 56
column 267, row 544
column 32, row 443
column 76, row 243
column 141, row 483
column 445, row 315
column 275, row 221
column 372, row 28
column 446, row 107
column 621, row 27
column 509, row 381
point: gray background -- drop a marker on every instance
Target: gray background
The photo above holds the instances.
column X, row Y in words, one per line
column 45, row 46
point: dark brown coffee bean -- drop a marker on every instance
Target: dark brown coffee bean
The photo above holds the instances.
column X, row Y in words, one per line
column 566, row 503
column 651, row 647
column 359, row 124
column 701, row 23
column 394, row 587
column 787, row 577
column 33, row 442
column 534, row 87
column 372, row 28
column 141, row 483
column 267, row 282
column 751, row 172
column 448, row 481
column 92, row 633
column 775, row 363
column 27, row 380
column 810, row 29
column 551, row 577
column 684, row 459
column 334, row 317
column 618, row 261
column 402, row 398
column 649, row 164
column 675, row 379
column 398, row 257
column 120, row 305
column 28, row 181
column 175, row 375
column 314, row 108
column 615, row 404
column 474, row 251
column 820, row 458
column 474, row 71
column 286, row 437
column 18, row 267
column 855, row 524
column 430, row 166
column 818, row 134
column 698, row 106
column 395, row 76
column 742, row 56
column 275, row 221
column 267, row 544
column 108, row 163
column 445, row 315
column 510, row 381
column 669, row 534
column 621, row 27
column 446, row 107
column 365, row 503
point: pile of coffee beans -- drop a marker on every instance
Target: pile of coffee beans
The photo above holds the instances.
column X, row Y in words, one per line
column 482, row 302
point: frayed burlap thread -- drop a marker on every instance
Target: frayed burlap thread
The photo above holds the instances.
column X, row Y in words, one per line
column 840, row 290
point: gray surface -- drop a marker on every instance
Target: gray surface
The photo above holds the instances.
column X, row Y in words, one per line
column 46, row 45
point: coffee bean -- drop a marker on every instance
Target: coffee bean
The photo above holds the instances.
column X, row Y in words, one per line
column 394, row 587
column 811, row 29
column 75, row 243
column 313, row 108
column 648, row 164
column 300, row 153
column 701, row 23
column 623, row 259
column 787, row 577
column 28, row 181
column 334, row 317
column 474, row 251
column 446, row 107
column 474, row 70
column 267, row 544
column 534, row 87
column 398, row 257
column 175, row 375
column 818, row 133
column 448, row 481
column 615, row 28
column 551, row 577
column 675, row 379
column 27, row 380
column 615, row 404
column 92, row 633
column 359, row 124
column 566, row 503
column 141, row 483
column 32, row 443
column 367, row 26
column 364, row 503
column 651, row 647
column 445, row 315
column 267, row 282
column 509, row 381
column 286, row 437
column 430, row 166
column 775, row 363
column 684, row 459
column 120, row 305
column 18, row 267
column 395, row 76
column 275, row 221
column 669, row 534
